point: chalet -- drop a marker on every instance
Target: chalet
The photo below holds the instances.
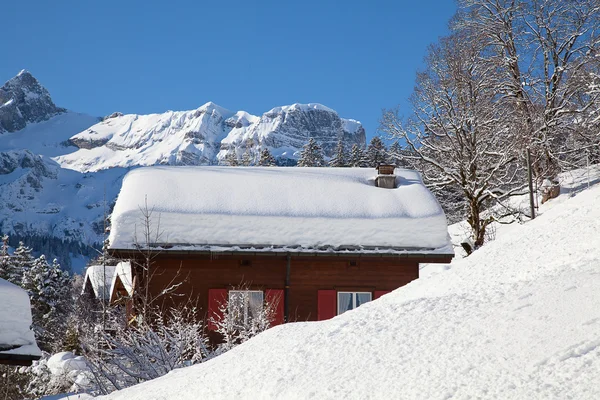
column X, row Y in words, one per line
column 322, row 240
column 17, row 342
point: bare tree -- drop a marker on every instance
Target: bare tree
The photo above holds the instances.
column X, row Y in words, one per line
column 546, row 51
column 459, row 134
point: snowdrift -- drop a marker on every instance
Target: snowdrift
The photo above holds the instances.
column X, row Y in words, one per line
column 519, row 319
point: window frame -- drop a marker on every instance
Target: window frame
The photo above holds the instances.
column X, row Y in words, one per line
column 354, row 295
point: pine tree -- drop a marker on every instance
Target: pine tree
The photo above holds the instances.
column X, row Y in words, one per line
column 49, row 289
column 357, row 156
column 247, row 158
column 231, row 159
column 311, row 155
column 6, row 265
column 376, row 153
column 266, row 159
column 340, row 158
column 395, row 155
column 21, row 261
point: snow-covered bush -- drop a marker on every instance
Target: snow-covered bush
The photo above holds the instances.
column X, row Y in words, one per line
column 240, row 318
column 145, row 351
column 59, row 373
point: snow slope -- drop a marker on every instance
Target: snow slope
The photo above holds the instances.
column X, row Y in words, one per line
column 310, row 207
column 519, row 319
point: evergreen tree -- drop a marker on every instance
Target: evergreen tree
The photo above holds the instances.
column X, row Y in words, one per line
column 357, row 156
column 266, row 159
column 376, row 153
column 231, row 159
column 22, row 261
column 6, row 266
column 396, row 154
column 311, row 155
column 340, row 158
column 49, row 289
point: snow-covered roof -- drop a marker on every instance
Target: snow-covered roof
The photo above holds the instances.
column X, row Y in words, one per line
column 17, row 341
column 100, row 278
column 124, row 274
column 304, row 209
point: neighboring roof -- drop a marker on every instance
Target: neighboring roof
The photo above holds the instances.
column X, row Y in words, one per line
column 17, row 342
column 100, row 278
column 122, row 278
column 265, row 209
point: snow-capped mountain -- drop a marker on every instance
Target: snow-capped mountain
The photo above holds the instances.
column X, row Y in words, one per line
column 60, row 171
column 24, row 100
column 206, row 135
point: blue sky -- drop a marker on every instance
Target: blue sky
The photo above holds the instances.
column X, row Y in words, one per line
column 356, row 57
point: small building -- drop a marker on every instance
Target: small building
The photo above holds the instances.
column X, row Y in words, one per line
column 98, row 281
column 322, row 240
column 17, row 341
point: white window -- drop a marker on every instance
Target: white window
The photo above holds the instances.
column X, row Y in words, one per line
column 244, row 305
column 350, row 300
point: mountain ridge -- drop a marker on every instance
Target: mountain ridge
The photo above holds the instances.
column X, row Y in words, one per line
column 60, row 171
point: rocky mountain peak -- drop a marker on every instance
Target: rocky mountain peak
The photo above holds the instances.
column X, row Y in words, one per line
column 24, row 100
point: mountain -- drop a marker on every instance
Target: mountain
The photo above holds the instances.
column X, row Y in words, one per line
column 206, row 135
column 23, row 100
column 60, row 171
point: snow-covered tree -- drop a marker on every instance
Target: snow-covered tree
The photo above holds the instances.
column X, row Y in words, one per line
column 266, row 159
column 49, row 289
column 240, row 319
column 20, row 263
column 357, row 157
column 6, row 266
column 340, row 157
column 546, row 52
column 376, row 153
column 460, row 133
column 247, row 158
column 231, row 159
column 145, row 351
column 311, row 155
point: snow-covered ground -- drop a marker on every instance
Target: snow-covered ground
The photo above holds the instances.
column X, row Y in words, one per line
column 519, row 319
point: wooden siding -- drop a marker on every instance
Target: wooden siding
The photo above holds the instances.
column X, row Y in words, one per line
column 308, row 275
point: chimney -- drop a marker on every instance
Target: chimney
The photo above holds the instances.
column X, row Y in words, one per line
column 385, row 176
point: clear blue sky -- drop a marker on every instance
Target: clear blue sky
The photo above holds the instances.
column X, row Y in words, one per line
column 97, row 57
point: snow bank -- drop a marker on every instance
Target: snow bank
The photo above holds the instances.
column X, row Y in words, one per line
column 519, row 319
column 100, row 277
column 315, row 208
column 16, row 336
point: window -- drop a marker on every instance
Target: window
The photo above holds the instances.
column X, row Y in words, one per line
column 350, row 300
column 244, row 305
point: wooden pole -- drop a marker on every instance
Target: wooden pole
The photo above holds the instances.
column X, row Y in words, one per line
column 530, row 178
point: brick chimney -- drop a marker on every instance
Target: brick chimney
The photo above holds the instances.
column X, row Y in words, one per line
column 385, row 176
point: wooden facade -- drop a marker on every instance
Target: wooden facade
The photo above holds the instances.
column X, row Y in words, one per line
column 306, row 283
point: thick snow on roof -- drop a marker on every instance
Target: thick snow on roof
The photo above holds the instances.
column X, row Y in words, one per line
column 253, row 207
column 100, row 277
column 16, row 336
column 518, row 319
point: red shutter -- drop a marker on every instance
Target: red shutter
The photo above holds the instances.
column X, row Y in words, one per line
column 216, row 298
column 379, row 293
column 274, row 297
column 327, row 307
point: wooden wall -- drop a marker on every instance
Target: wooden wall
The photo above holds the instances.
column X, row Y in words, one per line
column 309, row 274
